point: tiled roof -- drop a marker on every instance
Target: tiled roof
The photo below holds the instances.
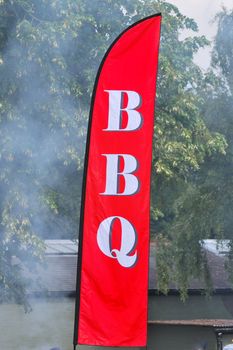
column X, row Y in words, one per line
column 61, row 246
column 216, row 263
column 201, row 322
column 58, row 273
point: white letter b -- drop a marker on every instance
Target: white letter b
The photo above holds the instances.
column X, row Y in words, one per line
column 116, row 108
column 113, row 175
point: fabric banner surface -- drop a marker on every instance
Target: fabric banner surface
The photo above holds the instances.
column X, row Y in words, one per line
column 112, row 281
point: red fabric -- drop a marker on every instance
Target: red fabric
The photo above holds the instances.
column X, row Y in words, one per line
column 114, row 298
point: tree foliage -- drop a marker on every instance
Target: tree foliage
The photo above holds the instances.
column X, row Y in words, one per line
column 42, row 130
column 203, row 209
column 49, row 55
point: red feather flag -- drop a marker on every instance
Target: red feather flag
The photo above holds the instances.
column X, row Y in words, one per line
column 112, row 280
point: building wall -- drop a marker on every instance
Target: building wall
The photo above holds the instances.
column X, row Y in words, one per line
column 50, row 324
column 181, row 338
column 196, row 307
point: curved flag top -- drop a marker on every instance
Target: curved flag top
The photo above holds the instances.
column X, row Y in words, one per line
column 112, row 281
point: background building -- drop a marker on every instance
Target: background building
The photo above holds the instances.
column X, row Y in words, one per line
column 199, row 323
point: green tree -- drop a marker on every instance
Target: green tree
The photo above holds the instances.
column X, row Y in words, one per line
column 42, row 129
column 49, row 55
column 204, row 209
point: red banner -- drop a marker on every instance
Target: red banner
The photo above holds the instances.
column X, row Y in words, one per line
column 111, row 306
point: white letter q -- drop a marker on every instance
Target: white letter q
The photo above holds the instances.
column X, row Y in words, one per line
column 128, row 241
